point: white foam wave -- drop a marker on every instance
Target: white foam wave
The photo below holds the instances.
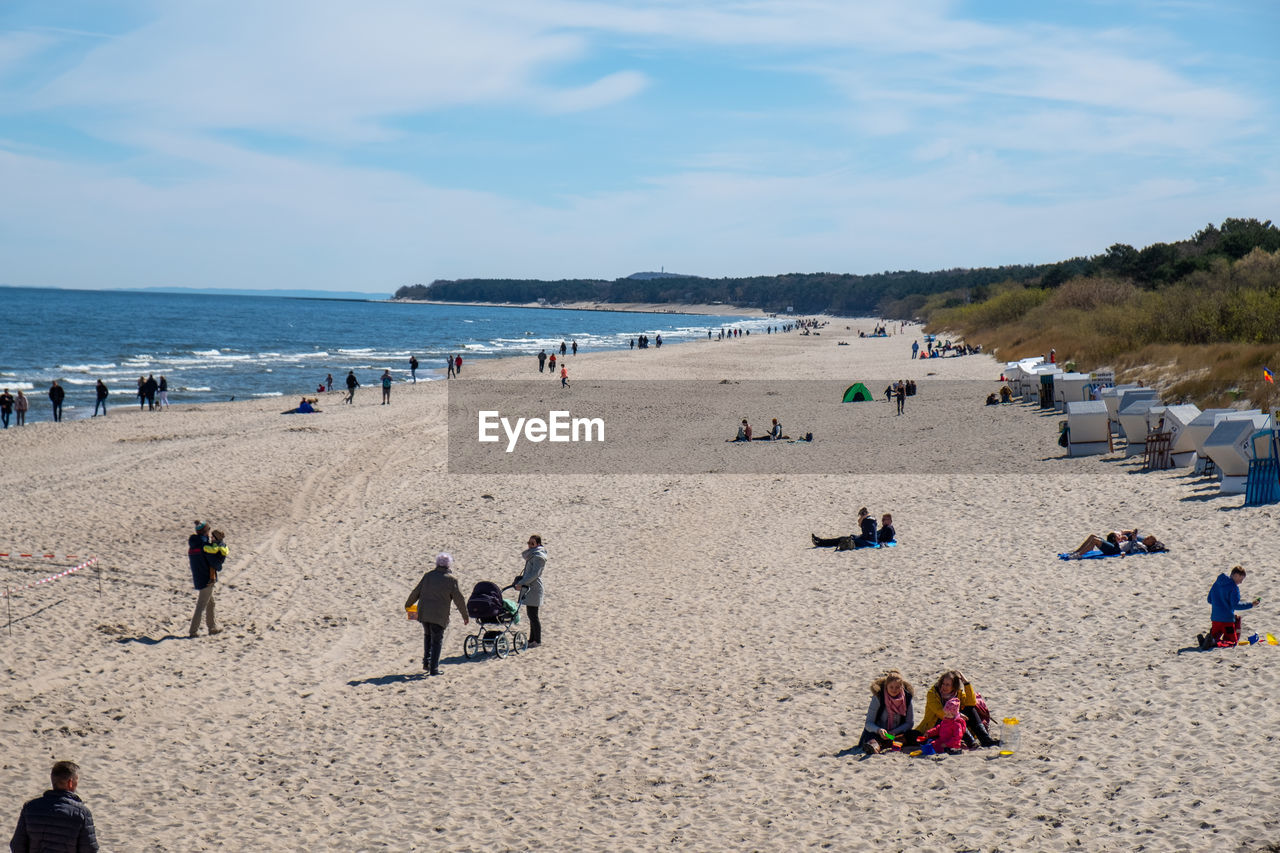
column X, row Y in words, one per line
column 269, row 394
column 17, row 386
column 195, row 388
column 84, row 368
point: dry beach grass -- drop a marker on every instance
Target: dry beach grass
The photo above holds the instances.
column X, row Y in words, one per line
column 705, row 670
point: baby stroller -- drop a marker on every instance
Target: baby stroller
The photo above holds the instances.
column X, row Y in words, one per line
column 496, row 616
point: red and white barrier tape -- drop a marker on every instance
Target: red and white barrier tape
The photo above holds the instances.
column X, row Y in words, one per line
column 84, row 565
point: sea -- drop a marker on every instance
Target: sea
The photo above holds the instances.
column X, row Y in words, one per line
column 215, row 347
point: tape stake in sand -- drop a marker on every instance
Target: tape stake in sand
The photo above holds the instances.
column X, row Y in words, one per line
column 7, row 594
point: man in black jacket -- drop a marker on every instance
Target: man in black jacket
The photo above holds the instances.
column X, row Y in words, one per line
column 57, row 821
column 56, row 395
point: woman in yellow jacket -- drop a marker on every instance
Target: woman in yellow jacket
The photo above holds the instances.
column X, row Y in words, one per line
column 953, row 685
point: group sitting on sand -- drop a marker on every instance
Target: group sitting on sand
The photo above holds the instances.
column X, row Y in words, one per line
column 745, row 433
column 866, row 537
column 955, row 716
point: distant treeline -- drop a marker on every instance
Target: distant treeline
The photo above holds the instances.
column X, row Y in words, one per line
column 897, row 295
column 806, row 293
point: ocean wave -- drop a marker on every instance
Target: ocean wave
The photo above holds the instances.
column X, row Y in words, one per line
column 195, row 388
column 268, row 394
column 206, row 352
column 84, row 368
column 17, row 386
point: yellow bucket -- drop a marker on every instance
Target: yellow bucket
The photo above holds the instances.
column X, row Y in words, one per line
column 412, row 612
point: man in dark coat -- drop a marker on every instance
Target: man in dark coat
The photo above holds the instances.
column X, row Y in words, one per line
column 204, row 578
column 56, row 395
column 58, row 821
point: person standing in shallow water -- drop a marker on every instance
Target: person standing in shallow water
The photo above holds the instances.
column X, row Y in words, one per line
column 529, row 585
column 413, row 368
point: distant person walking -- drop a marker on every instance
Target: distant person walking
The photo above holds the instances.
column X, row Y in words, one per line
column 575, row 347
column 563, row 348
column 102, row 392
column 162, row 392
column 58, row 821
column 149, row 389
column 6, row 408
column 328, row 382
column 448, row 363
column 564, row 376
column 457, row 364
column 542, row 360
column 20, row 406
column 386, row 386
column 900, row 395
column 529, row 585
column 433, row 595
column 352, row 385
column 56, row 395
column 413, row 368
column 142, row 392
column 204, row 577
column 915, row 349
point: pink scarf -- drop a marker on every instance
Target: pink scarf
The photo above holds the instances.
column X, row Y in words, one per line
column 895, row 710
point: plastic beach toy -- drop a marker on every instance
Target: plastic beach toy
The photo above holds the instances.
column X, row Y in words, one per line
column 412, row 612
column 1010, row 735
column 1272, row 641
column 1253, row 639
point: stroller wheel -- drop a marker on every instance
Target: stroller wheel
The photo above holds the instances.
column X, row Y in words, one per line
column 519, row 642
column 470, row 646
column 501, row 647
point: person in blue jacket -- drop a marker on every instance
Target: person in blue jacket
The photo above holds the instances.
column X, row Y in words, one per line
column 1224, row 601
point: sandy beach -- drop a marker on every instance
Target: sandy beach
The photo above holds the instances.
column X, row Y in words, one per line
column 704, row 673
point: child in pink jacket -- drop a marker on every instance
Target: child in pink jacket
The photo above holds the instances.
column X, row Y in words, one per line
column 948, row 734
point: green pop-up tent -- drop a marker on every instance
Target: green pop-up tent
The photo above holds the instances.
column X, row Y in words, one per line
column 857, row 393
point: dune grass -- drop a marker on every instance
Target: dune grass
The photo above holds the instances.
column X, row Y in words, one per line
column 1205, row 338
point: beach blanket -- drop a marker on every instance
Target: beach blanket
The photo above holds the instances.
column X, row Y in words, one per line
column 1098, row 555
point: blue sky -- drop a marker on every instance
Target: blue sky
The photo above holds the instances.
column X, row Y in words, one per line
column 362, row 146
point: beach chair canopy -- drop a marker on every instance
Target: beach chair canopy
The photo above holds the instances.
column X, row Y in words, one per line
column 857, row 393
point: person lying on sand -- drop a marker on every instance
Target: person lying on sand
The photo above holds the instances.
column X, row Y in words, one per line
column 1121, row 542
column 306, row 407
